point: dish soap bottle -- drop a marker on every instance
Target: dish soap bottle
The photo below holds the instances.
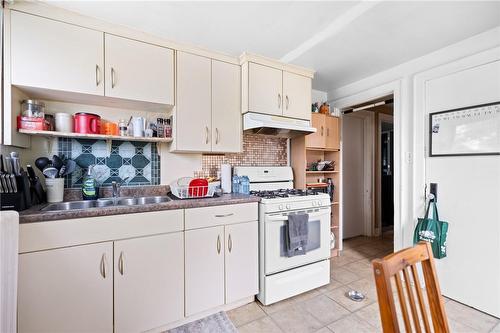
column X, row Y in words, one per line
column 90, row 191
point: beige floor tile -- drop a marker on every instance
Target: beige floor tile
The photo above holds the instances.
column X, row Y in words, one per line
column 245, row 314
column 371, row 314
column 339, row 296
column 343, row 275
column 457, row 327
column 324, row 309
column 356, row 241
column 470, row 317
column 295, row 319
column 332, row 285
column 324, row 330
column 353, row 253
column 275, row 307
column 342, row 260
column 264, row 325
column 305, row 296
column 359, row 268
column 366, row 286
column 350, row 324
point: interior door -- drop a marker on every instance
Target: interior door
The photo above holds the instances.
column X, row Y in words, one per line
column 149, row 282
column 204, row 272
column 468, row 194
column 265, row 89
column 332, row 137
column 139, row 71
column 66, row 289
column 241, row 260
column 317, row 139
column 194, row 103
column 55, row 55
column 226, row 107
column 297, row 96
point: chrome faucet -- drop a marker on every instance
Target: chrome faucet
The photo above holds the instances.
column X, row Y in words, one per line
column 116, row 187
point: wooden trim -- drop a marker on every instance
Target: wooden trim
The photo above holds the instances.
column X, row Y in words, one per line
column 54, row 134
column 250, row 57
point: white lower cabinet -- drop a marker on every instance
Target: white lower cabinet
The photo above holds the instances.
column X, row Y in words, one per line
column 204, row 272
column 149, row 282
column 66, row 290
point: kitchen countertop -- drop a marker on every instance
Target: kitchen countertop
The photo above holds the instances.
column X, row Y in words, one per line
column 35, row 214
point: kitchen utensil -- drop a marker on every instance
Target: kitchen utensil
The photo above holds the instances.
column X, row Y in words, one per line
column 41, row 163
column 33, row 108
column 87, row 123
column 64, row 122
column 70, row 167
column 31, row 172
column 50, row 171
column 62, row 171
column 13, row 183
column 138, row 126
column 16, row 163
column 57, row 162
column 198, row 187
column 55, row 189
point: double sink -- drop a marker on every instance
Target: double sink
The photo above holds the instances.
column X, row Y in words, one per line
column 106, row 202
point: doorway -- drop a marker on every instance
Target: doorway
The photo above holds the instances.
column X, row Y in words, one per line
column 368, row 169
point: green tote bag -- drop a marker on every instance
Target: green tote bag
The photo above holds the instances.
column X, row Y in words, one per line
column 433, row 231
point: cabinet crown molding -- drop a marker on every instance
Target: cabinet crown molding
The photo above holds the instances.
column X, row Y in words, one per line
column 250, row 57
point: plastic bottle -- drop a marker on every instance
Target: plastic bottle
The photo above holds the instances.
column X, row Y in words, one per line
column 168, row 128
column 90, row 191
column 236, row 184
column 160, row 129
column 244, row 185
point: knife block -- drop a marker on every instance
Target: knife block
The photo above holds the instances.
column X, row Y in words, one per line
column 20, row 200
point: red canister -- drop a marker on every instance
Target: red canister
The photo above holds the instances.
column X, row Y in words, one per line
column 87, row 123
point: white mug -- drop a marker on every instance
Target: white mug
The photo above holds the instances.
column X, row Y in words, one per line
column 138, row 126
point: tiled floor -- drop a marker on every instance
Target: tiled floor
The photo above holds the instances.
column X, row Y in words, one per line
column 327, row 310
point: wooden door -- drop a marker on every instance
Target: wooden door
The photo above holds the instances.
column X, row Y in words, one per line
column 297, row 96
column 318, row 139
column 54, row 55
column 332, row 138
column 149, row 282
column 194, row 100
column 66, row 289
column 204, row 272
column 139, row 71
column 226, row 107
column 242, row 261
column 265, row 89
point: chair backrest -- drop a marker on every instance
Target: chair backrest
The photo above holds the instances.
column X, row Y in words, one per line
column 402, row 268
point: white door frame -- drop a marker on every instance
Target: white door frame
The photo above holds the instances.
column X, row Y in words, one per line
column 382, row 118
column 394, row 88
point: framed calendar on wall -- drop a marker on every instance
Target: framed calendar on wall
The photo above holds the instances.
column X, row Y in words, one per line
column 473, row 130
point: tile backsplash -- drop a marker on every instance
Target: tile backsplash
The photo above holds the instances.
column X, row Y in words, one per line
column 258, row 150
column 137, row 162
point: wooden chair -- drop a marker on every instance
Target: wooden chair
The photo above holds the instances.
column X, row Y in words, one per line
column 402, row 266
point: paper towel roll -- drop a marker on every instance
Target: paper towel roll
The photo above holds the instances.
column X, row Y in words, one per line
column 225, row 177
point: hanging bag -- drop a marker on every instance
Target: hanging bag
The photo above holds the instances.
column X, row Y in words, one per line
column 432, row 230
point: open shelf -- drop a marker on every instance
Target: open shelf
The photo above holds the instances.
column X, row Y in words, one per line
column 320, row 172
column 322, row 149
column 55, row 134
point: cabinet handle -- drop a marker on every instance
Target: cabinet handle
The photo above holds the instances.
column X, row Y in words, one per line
column 216, row 136
column 218, row 244
column 97, row 75
column 120, row 263
column 322, row 130
column 224, row 215
column 327, row 131
column 229, row 243
column 103, row 265
column 112, row 77
column 279, row 101
column 287, row 101
column 206, row 135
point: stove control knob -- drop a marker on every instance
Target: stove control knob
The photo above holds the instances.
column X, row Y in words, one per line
column 287, row 206
column 319, row 202
column 280, row 207
column 314, row 203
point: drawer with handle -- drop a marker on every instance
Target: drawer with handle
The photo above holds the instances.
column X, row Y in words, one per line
column 220, row 215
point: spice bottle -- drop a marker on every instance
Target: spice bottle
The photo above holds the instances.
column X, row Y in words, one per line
column 160, row 129
column 168, row 128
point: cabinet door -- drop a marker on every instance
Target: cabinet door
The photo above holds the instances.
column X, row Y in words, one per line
column 265, row 91
column 66, row 290
column 226, row 107
column 242, row 261
column 194, row 103
column 297, row 96
column 204, row 273
column 149, row 282
column 317, row 140
column 332, row 133
column 139, row 71
column 54, row 55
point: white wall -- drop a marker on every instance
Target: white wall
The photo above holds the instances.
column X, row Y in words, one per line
column 318, row 96
column 409, row 194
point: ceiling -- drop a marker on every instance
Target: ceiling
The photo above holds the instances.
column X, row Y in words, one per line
column 344, row 41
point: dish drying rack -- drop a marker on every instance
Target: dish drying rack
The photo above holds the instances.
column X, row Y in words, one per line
column 183, row 191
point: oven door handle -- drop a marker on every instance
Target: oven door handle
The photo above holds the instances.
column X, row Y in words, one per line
column 323, row 211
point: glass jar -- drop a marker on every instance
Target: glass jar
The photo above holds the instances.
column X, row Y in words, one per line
column 33, row 108
column 123, row 127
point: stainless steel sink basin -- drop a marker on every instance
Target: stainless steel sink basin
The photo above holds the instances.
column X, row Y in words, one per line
column 105, row 202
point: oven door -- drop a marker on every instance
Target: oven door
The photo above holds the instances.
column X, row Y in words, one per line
column 318, row 247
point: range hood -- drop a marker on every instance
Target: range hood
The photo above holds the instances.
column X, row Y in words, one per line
column 284, row 127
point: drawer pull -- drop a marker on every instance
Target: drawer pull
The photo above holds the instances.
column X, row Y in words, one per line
column 112, row 77
column 120, row 263
column 224, row 215
column 97, row 75
column 229, row 243
column 218, row 244
column 103, row 265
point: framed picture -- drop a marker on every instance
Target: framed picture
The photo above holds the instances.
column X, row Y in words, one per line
column 473, row 130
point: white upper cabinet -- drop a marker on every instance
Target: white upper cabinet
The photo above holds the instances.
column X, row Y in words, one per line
column 226, row 107
column 296, row 96
column 139, row 71
column 193, row 115
column 54, row 55
column 265, row 93
column 149, row 282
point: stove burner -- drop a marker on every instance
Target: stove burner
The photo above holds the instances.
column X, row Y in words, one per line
column 283, row 193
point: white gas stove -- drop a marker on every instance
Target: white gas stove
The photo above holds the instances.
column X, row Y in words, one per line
column 283, row 276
